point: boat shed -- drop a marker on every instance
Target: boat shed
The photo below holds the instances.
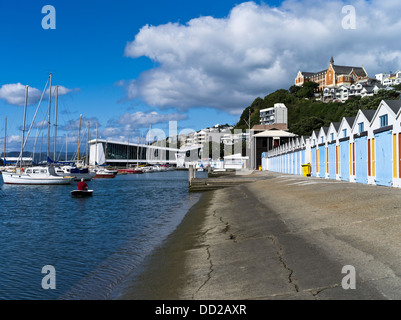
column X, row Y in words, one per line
column 301, row 155
column 359, row 133
column 397, row 131
column 296, row 160
column 265, row 141
column 383, row 132
column 344, row 136
column 367, row 148
column 291, row 156
column 332, row 150
column 322, row 143
column 314, row 154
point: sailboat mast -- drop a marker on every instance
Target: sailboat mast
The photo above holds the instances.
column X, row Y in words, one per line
column 48, row 122
column 87, row 146
column 96, row 145
column 5, row 140
column 23, row 126
column 55, row 125
column 41, row 144
column 66, row 156
column 79, row 136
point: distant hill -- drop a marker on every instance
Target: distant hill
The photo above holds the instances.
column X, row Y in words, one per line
column 37, row 157
column 306, row 114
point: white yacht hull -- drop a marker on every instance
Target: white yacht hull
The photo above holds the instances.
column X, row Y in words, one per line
column 25, row 179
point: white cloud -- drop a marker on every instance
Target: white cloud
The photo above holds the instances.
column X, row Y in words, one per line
column 73, row 125
column 144, row 119
column 226, row 63
column 129, row 125
column 14, row 139
column 61, row 91
column 14, row 93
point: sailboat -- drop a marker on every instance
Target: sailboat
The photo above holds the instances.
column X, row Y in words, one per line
column 101, row 171
column 5, row 147
column 34, row 175
column 78, row 173
column 71, row 169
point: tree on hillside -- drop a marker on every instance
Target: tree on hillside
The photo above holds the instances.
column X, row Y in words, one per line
column 279, row 96
column 306, row 126
column 243, row 120
column 306, row 115
column 294, row 89
column 307, row 90
column 252, row 112
column 397, row 87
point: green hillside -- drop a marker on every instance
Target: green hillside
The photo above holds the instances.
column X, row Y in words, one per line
column 305, row 113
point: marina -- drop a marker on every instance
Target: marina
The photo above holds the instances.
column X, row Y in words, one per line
column 206, row 151
column 95, row 243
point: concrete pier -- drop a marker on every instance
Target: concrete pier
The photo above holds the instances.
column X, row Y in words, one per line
column 281, row 237
column 223, row 179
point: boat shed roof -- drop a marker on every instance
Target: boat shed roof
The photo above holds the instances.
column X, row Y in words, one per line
column 274, row 133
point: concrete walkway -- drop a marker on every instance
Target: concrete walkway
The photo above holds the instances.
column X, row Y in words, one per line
column 282, row 237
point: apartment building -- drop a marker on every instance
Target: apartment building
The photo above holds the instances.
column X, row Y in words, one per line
column 276, row 114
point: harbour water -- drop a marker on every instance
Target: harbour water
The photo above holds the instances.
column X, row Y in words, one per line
column 95, row 243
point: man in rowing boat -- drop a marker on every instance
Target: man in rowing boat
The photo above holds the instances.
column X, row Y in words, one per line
column 82, row 185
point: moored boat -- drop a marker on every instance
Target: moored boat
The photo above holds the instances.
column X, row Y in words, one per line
column 104, row 174
column 147, row 169
column 78, row 173
column 131, row 171
column 36, row 176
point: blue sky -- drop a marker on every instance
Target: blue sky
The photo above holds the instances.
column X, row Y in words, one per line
column 127, row 64
column 86, row 53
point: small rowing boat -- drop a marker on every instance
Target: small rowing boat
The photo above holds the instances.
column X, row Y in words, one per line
column 81, row 193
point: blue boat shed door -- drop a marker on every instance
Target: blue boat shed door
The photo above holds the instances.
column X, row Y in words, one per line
column 301, row 162
column 344, row 152
column 332, row 161
column 322, row 162
column 292, row 163
column 361, row 160
column 314, row 168
column 384, row 158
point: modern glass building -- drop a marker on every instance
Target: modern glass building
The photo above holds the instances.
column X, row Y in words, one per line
column 122, row 154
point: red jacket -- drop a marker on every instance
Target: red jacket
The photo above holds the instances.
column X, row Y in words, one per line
column 82, row 186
